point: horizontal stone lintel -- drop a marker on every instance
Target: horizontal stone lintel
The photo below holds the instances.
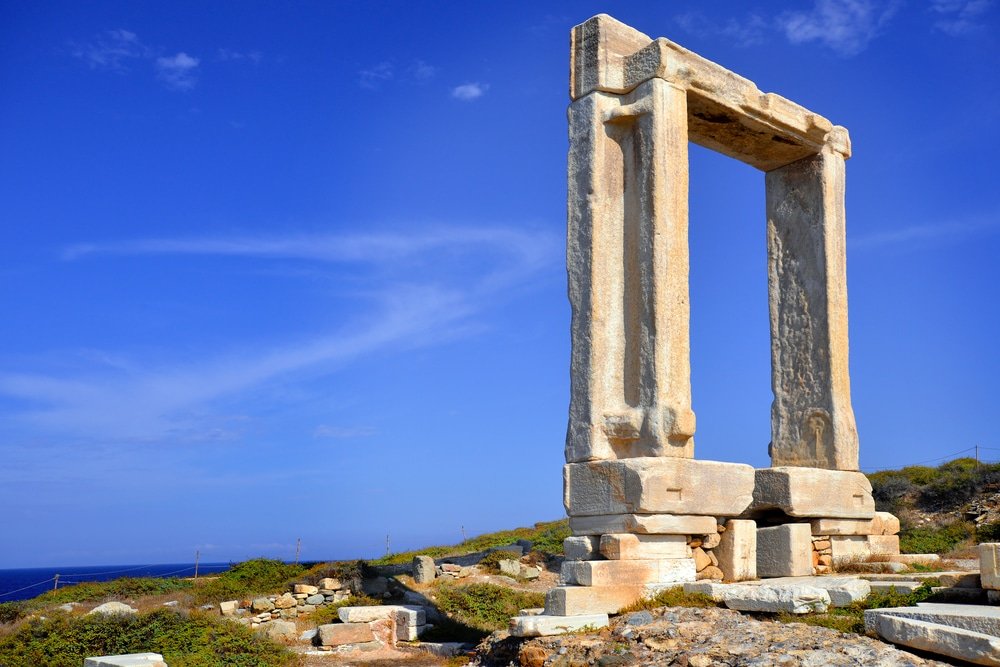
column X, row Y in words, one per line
column 644, row 524
column 812, row 493
column 657, row 485
column 727, row 112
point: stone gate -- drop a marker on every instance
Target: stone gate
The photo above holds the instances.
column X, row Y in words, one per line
column 644, row 512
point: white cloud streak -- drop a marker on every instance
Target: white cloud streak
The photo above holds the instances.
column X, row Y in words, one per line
column 178, row 72
column 915, row 235
column 111, row 50
column 750, row 31
column 960, row 17
column 138, row 401
column 470, row 91
column 845, row 26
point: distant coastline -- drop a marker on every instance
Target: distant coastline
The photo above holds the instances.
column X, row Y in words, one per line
column 26, row 583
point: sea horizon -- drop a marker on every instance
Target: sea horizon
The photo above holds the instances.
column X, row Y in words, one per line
column 24, row 583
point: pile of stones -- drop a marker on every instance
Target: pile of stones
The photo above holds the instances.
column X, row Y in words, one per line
column 302, row 599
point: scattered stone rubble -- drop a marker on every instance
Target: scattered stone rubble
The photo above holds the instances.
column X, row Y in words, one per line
column 303, row 599
column 969, row 632
column 698, row 638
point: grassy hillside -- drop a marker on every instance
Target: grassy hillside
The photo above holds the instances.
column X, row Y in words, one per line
column 933, row 503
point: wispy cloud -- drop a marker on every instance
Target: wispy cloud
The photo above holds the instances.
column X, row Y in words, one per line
column 114, row 49
column 377, row 76
column 421, row 71
column 749, row 31
column 470, row 91
column 960, row 17
column 344, row 432
column 845, row 26
column 111, row 50
column 949, row 231
column 229, row 55
column 419, row 292
column 178, row 72
column 373, row 77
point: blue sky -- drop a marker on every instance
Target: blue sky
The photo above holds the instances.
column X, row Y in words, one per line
column 278, row 271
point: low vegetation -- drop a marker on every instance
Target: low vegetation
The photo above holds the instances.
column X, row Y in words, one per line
column 484, row 607
column 329, row 613
column 93, row 591
column 249, row 578
column 198, row 640
column 852, row 618
column 673, row 597
column 546, row 536
column 937, row 494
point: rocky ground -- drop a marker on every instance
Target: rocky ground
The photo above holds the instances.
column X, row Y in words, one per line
column 689, row 637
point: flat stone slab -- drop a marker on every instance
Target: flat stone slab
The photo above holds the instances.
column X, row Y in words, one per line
column 628, row 572
column 129, row 660
column 912, row 559
column 883, row 523
column 338, row 634
column 545, row 625
column 975, row 618
column 586, row 600
column 903, row 587
column 813, row 493
column 843, row 591
column 768, row 598
column 644, row 524
column 409, row 619
column 630, row 546
column 989, row 564
column 975, row 647
column 657, row 485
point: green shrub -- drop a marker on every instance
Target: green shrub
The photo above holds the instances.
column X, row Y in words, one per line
column 491, row 561
column 920, row 475
column 545, row 536
column 12, row 611
column 123, row 588
column 673, row 597
column 852, row 618
column 485, row 607
column 249, row 578
column 329, row 613
column 935, row 539
column 195, row 641
column 988, row 532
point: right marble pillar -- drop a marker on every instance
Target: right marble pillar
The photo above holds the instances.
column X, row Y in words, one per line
column 812, row 421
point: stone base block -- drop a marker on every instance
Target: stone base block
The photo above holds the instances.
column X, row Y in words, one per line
column 628, row 572
column 784, row 551
column 406, row 617
column 989, row 565
column 582, row 547
column 813, row 492
column 582, row 600
column 644, row 524
column 965, row 645
column 843, row 591
column 912, row 559
column 629, row 546
column 884, row 523
column 791, row 599
column 129, row 660
column 545, row 625
column 737, row 550
column 858, row 547
column 338, row 634
column 657, row 485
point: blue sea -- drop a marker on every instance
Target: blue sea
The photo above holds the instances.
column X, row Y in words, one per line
column 25, row 583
